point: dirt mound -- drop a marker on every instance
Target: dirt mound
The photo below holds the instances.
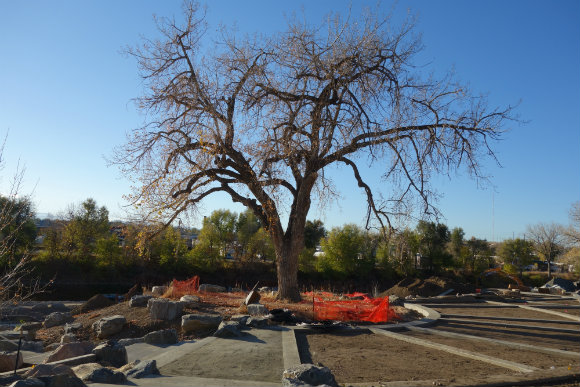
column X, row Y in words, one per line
column 429, row 287
column 96, row 302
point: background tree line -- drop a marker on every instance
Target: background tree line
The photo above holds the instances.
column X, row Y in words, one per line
column 85, row 240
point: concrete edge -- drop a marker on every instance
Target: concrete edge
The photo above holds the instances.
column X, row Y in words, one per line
column 547, row 311
column 71, row 361
column 290, row 353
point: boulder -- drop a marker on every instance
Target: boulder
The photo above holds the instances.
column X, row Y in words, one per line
column 252, row 298
column 96, row 373
column 257, row 310
column 159, row 290
column 395, row 301
column 228, row 329
column 190, row 301
column 108, row 326
column 97, row 301
column 68, row 338
column 62, row 380
column 72, row 328
column 111, row 352
column 31, row 382
column 194, row 322
column 131, row 341
column 57, row 318
column 66, row 351
column 143, row 369
column 242, row 319
column 163, row 337
column 164, row 309
column 308, row 374
column 48, row 369
column 257, row 321
column 139, row 301
column 209, row 288
column 9, row 361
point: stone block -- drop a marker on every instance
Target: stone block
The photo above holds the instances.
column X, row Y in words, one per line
column 257, row 310
column 209, row 288
column 69, row 350
column 195, row 322
column 164, row 309
column 108, row 326
column 163, row 337
column 9, row 360
column 139, row 301
column 113, row 353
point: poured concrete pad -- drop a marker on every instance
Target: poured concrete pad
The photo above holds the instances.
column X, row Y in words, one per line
column 256, row 356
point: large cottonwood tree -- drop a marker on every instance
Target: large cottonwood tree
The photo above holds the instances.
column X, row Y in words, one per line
column 261, row 119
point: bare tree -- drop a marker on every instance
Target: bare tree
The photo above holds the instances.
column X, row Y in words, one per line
column 572, row 232
column 547, row 240
column 261, row 119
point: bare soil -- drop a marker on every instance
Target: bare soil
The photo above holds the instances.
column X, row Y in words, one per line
column 357, row 357
column 486, row 310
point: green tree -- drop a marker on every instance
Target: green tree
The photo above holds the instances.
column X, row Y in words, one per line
column 517, row 252
column 17, row 228
column 314, row 231
column 433, row 238
column 479, row 254
column 347, row 252
column 86, row 224
column 247, row 226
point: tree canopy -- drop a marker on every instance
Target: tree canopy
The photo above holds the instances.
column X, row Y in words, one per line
column 262, row 118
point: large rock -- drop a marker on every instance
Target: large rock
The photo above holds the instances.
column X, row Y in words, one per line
column 9, row 361
column 252, row 298
column 113, row 353
column 139, row 301
column 143, row 369
column 131, row 341
column 164, row 309
column 190, row 301
column 48, row 369
column 66, row 351
column 308, row 374
column 228, row 329
column 257, row 310
column 62, row 380
column 257, row 321
column 31, row 382
column 209, row 288
column 163, row 337
column 97, row 301
column 96, row 373
column 68, row 338
column 73, row 328
column 396, row 301
column 57, row 318
column 195, row 322
column 108, row 326
column 158, row 290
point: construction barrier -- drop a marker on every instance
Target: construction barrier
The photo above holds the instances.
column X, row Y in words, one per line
column 360, row 307
column 181, row 288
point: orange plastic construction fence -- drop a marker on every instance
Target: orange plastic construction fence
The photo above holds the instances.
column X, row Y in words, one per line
column 181, row 288
column 364, row 308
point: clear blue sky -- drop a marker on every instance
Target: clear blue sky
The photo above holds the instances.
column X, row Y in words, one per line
column 66, row 90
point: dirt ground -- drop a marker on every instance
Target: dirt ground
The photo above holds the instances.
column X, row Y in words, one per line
column 486, row 310
column 375, row 358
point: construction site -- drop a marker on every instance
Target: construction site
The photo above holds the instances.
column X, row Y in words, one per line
column 491, row 337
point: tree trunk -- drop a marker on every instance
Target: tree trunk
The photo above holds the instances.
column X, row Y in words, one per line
column 287, row 268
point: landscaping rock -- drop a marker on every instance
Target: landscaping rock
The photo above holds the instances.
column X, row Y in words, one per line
column 68, row 338
column 30, row 382
column 143, row 369
column 57, row 318
column 159, row 290
column 108, row 326
column 97, row 301
column 242, row 319
column 8, row 361
column 62, row 380
column 48, row 369
column 209, row 288
column 194, row 322
column 163, row 337
column 308, row 374
column 72, row 328
column 252, row 298
column 96, row 373
column 228, row 329
column 111, row 352
column 164, row 309
column 190, row 301
column 139, row 301
column 396, row 301
column 126, row 342
column 257, row 310
column 66, row 351
column 51, row 347
column 257, row 321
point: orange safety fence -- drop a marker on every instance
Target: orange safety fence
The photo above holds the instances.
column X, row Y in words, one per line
column 181, row 288
column 364, row 308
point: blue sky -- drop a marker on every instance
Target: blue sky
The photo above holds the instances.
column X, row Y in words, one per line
column 66, row 90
